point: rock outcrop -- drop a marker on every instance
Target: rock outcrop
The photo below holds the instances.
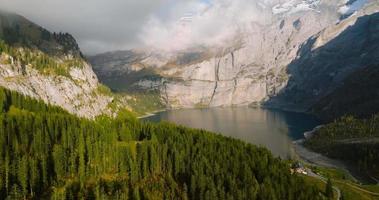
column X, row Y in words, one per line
column 77, row 94
column 50, row 67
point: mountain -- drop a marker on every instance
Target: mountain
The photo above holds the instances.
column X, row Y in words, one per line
column 16, row 30
column 49, row 66
column 327, row 59
column 358, row 95
column 50, row 150
column 247, row 71
column 267, row 64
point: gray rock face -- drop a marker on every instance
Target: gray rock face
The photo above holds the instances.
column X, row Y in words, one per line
column 78, row 94
column 76, row 89
column 259, row 67
column 327, row 58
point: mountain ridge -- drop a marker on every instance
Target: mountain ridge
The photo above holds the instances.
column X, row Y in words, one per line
column 327, row 59
column 51, row 67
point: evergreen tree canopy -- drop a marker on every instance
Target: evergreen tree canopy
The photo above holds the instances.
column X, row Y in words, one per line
column 47, row 153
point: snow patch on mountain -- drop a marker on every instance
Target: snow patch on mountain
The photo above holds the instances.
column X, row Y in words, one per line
column 294, row 6
column 352, row 6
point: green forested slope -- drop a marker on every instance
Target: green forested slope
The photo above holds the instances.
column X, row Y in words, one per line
column 352, row 140
column 46, row 153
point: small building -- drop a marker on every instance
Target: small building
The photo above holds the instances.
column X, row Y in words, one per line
column 299, row 168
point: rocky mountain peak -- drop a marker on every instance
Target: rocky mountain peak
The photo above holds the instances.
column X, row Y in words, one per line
column 15, row 30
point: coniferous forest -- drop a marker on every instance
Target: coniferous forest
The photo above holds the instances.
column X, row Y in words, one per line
column 46, row 153
column 352, row 140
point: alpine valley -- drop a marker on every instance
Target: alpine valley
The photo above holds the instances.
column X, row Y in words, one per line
column 70, row 127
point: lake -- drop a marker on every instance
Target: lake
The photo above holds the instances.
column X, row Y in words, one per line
column 273, row 129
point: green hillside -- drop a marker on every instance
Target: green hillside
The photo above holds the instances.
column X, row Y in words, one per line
column 46, row 153
column 355, row 141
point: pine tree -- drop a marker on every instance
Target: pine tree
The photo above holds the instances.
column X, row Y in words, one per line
column 81, row 151
column 329, row 189
column 23, row 175
column 59, row 161
column 342, row 196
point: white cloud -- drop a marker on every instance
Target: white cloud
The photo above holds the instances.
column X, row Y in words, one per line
column 211, row 24
column 105, row 25
column 98, row 25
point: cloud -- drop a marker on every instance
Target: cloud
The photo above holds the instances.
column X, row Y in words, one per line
column 98, row 25
column 169, row 25
column 105, row 25
column 219, row 22
column 210, row 23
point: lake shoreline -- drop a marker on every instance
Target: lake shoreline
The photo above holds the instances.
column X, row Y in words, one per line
column 149, row 114
column 308, row 156
column 315, row 158
column 257, row 126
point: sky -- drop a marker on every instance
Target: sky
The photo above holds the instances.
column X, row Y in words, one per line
column 168, row 25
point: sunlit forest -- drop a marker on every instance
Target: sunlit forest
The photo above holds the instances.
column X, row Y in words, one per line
column 46, row 153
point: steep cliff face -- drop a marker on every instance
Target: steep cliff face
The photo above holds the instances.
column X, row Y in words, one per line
column 50, row 67
column 263, row 65
column 78, row 93
column 328, row 58
column 248, row 71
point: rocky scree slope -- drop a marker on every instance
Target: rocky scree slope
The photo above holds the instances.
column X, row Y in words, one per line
column 50, row 67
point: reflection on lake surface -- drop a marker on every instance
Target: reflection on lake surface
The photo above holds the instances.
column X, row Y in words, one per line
column 273, row 129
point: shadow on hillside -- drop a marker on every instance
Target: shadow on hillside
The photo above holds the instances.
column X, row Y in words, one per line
column 318, row 72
